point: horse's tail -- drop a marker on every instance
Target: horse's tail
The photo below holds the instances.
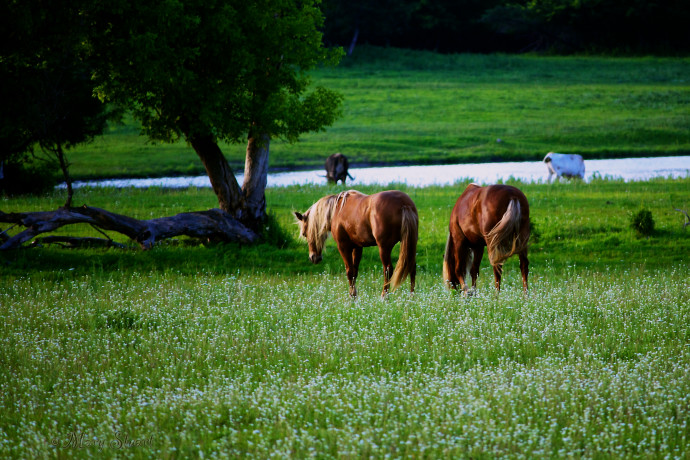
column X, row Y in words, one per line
column 504, row 239
column 408, row 247
column 449, row 262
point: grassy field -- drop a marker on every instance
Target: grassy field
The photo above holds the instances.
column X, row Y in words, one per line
column 417, row 107
column 229, row 351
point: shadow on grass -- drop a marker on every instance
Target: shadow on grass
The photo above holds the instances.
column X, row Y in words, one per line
column 183, row 259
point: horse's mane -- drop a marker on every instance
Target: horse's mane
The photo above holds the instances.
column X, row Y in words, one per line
column 320, row 215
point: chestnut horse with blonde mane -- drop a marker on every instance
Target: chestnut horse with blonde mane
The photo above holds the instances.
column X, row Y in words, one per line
column 357, row 220
column 495, row 216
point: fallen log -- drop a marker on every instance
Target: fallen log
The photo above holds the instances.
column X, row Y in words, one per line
column 211, row 225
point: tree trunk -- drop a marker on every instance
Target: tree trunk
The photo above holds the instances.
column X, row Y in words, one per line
column 255, row 180
column 248, row 204
column 220, row 173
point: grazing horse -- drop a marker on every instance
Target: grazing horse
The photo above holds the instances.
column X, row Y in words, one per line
column 357, row 220
column 336, row 168
column 495, row 216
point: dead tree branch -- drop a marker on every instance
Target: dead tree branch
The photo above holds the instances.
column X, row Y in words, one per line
column 213, row 225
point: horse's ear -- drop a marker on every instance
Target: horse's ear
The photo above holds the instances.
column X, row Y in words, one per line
column 298, row 216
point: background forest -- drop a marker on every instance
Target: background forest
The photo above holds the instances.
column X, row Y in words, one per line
column 563, row 26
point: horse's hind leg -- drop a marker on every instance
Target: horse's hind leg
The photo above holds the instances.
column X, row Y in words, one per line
column 498, row 270
column 385, row 254
column 413, row 274
column 478, row 253
column 524, row 269
column 462, row 265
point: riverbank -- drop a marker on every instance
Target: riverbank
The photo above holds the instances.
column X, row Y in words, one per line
column 417, row 108
column 628, row 169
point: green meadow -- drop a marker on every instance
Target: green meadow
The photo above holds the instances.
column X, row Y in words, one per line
column 416, row 107
column 231, row 351
column 196, row 350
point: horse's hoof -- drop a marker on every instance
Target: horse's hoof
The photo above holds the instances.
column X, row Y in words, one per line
column 469, row 293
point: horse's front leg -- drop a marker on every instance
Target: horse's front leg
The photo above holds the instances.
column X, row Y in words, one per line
column 477, row 254
column 385, row 254
column 354, row 271
column 463, row 261
column 347, row 252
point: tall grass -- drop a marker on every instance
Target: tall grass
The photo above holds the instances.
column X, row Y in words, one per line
column 229, row 351
column 272, row 367
column 418, row 107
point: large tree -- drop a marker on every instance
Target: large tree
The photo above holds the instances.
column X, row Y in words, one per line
column 206, row 71
column 217, row 70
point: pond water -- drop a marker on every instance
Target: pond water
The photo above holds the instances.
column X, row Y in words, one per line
column 628, row 169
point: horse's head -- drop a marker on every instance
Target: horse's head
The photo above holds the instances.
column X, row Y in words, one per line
column 307, row 231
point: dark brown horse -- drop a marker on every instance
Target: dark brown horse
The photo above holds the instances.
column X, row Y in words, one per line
column 357, row 220
column 336, row 168
column 495, row 216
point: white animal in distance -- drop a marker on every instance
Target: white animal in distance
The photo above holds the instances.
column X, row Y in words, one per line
column 565, row 165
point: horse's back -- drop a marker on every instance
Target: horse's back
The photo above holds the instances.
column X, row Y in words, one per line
column 478, row 209
column 392, row 200
column 371, row 219
column 495, row 201
column 500, row 196
column 387, row 206
column 388, row 210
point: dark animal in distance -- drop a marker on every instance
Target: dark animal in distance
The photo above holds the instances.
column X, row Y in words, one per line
column 336, row 168
column 356, row 221
column 495, row 216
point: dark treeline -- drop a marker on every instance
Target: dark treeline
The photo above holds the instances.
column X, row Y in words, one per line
column 561, row 26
